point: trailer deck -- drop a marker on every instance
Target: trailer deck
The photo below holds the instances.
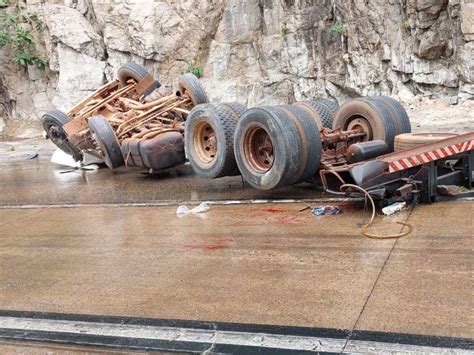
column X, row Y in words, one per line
column 414, row 173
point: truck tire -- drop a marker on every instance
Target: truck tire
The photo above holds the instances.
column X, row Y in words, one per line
column 323, row 111
column 368, row 116
column 412, row 140
column 262, row 135
column 398, row 114
column 107, row 141
column 311, row 141
column 209, row 140
column 199, row 109
column 53, row 122
column 136, row 72
column 189, row 84
column 402, row 114
column 331, row 104
column 238, row 108
column 312, row 112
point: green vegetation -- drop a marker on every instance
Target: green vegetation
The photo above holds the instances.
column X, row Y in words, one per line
column 191, row 67
column 338, row 27
column 37, row 23
column 15, row 33
column 284, row 30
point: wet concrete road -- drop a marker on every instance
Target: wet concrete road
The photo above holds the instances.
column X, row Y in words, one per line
column 260, row 264
column 251, row 264
column 39, row 182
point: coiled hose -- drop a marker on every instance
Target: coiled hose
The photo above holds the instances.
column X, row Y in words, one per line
column 363, row 230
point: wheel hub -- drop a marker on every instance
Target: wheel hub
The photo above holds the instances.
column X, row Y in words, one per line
column 258, row 149
column 59, row 138
column 56, row 134
column 362, row 125
column 205, row 142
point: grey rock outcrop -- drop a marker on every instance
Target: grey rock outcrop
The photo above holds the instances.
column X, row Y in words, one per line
column 254, row 51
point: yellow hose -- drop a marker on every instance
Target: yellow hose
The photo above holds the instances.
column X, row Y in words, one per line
column 363, row 230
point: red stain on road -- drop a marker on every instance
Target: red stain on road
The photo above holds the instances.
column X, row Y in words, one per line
column 210, row 247
column 214, row 247
column 273, row 210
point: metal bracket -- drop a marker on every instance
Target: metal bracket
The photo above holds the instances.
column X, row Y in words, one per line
column 429, row 181
column 468, row 169
column 144, row 84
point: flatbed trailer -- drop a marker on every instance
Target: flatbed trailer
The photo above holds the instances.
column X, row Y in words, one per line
column 414, row 172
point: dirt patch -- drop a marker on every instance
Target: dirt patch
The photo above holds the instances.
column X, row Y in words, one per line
column 25, row 149
column 439, row 116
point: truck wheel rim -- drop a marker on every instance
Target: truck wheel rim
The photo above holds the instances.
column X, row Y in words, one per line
column 59, row 138
column 258, row 149
column 205, row 141
column 362, row 125
column 56, row 134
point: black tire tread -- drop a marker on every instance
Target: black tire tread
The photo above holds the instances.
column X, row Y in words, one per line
column 139, row 73
column 191, row 83
column 290, row 177
column 107, row 140
column 313, row 141
column 324, row 112
column 226, row 117
column 386, row 118
column 58, row 115
column 238, row 108
column 229, row 122
column 405, row 125
column 331, row 104
column 312, row 112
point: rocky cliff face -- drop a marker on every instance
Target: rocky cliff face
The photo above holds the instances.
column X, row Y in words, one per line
column 253, row 51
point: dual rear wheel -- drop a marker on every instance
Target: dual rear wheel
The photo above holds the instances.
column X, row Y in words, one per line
column 209, row 139
column 379, row 117
column 281, row 146
column 277, row 146
column 268, row 146
column 323, row 111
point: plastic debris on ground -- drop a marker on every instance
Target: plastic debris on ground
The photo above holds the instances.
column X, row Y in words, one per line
column 31, row 156
column 325, row 210
column 183, row 210
column 394, row 208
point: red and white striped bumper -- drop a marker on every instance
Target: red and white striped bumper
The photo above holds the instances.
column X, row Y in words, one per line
column 431, row 155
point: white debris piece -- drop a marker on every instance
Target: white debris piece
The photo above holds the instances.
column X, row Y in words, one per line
column 184, row 210
column 89, row 161
column 393, row 208
column 61, row 158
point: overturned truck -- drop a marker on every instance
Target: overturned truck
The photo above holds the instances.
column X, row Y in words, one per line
column 364, row 145
column 132, row 120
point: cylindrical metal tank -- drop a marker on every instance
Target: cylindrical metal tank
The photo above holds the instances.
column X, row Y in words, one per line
column 366, row 150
